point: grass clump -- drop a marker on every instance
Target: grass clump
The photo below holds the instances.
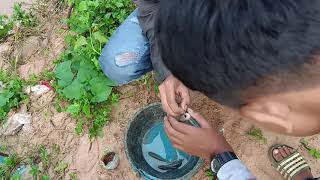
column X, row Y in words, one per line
column 256, row 134
column 211, row 175
column 312, row 151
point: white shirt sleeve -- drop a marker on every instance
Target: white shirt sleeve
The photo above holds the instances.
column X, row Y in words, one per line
column 235, row 170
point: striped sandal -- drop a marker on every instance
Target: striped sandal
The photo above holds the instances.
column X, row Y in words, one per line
column 290, row 166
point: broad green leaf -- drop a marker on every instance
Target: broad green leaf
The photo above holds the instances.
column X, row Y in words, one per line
column 119, row 4
column 70, row 2
column 45, row 177
column 86, row 72
column 86, row 109
column 83, row 6
column 3, row 101
column 74, row 108
column 102, row 80
column 73, row 91
column 102, row 96
column 81, row 41
column 93, row 3
column 100, row 90
column 64, row 74
column 100, row 37
column 312, row 152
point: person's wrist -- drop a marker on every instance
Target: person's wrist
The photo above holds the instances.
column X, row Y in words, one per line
column 221, row 147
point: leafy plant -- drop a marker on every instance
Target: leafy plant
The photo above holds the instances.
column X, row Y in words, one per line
column 73, row 176
column 312, row 151
column 61, row 167
column 211, row 175
column 78, row 74
column 34, row 171
column 11, row 93
column 25, row 18
column 6, row 24
column 256, row 133
column 44, row 156
column 115, row 98
column 8, row 168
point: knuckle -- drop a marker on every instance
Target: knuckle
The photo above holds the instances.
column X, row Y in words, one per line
column 170, row 131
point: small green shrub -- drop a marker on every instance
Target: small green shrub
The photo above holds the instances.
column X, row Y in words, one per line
column 79, row 77
column 11, row 93
column 211, row 175
column 256, row 133
column 25, row 18
column 6, row 24
column 312, row 151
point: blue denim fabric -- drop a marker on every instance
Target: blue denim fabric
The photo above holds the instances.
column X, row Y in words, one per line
column 127, row 55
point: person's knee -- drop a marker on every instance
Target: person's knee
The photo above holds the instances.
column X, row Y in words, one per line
column 120, row 67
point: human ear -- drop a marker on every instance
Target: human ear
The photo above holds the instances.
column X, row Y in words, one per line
column 269, row 115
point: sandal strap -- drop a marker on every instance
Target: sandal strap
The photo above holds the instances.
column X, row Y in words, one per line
column 292, row 165
column 288, row 159
column 298, row 170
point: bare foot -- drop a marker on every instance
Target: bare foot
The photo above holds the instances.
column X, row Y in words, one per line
column 282, row 152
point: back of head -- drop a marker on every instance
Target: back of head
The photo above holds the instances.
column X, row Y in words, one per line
column 220, row 47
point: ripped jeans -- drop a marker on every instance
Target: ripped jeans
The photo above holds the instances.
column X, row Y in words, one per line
column 127, row 55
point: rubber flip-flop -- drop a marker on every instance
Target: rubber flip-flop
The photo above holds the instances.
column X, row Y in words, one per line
column 290, row 166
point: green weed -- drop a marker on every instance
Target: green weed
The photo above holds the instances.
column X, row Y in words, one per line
column 61, row 168
column 6, row 24
column 79, row 77
column 312, row 151
column 46, row 75
column 7, row 170
column 44, row 156
column 11, row 93
column 22, row 18
column 211, row 175
column 73, row 176
column 256, row 133
column 115, row 98
column 25, row 18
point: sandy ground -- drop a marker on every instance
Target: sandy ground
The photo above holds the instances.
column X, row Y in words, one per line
column 53, row 129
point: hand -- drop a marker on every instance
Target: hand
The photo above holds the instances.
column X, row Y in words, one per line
column 169, row 90
column 202, row 142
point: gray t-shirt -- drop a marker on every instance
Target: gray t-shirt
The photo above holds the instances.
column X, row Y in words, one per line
column 147, row 16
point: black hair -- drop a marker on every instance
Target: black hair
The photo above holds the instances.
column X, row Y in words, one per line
column 222, row 46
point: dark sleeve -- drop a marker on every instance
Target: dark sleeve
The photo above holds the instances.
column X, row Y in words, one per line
column 147, row 16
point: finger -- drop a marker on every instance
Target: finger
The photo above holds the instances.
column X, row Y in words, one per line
column 179, row 147
column 184, row 92
column 197, row 116
column 172, row 139
column 164, row 102
column 180, row 127
column 171, row 131
column 171, row 99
